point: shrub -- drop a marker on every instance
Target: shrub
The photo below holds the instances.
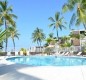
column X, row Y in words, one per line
column 49, row 50
column 24, row 51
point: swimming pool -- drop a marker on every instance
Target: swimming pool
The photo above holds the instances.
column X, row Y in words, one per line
column 49, row 60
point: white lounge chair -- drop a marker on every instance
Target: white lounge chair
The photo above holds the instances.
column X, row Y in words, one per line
column 21, row 53
column 8, row 53
column 16, row 53
column 66, row 54
column 79, row 53
column 57, row 53
column 28, row 53
column 62, row 54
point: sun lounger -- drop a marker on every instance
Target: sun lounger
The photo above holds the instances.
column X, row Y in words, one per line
column 62, row 53
column 21, row 53
column 79, row 53
column 28, row 53
column 8, row 53
column 16, row 53
column 57, row 53
column 66, row 54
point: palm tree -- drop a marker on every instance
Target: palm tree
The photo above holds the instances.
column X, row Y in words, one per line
column 57, row 23
column 6, row 16
column 79, row 8
column 13, row 34
column 50, row 40
column 38, row 36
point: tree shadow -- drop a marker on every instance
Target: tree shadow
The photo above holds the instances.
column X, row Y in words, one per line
column 10, row 72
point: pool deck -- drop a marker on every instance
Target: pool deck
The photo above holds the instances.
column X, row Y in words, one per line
column 12, row 71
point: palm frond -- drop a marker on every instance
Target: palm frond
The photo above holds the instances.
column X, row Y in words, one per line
column 51, row 19
column 10, row 20
column 17, row 36
column 2, row 35
column 63, row 26
column 57, row 15
column 9, row 9
column 65, row 8
column 55, row 27
column 69, row 6
column 72, row 20
column 51, row 24
column 78, row 21
column 13, row 15
column 60, row 27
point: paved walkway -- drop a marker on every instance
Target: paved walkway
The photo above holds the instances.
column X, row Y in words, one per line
column 10, row 71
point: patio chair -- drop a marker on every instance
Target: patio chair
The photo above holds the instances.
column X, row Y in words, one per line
column 62, row 53
column 79, row 53
column 21, row 53
column 16, row 53
column 28, row 53
column 57, row 53
column 66, row 54
column 8, row 53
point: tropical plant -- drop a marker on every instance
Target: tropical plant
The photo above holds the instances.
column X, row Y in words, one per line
column 6, row 16
column 82, row 36
column 46, row 44
column 49, row 50
column 50, row 40
column 13, row 34
column 24, row 51
column 65, row 41
column 67, row 44
column 72, row 35
column 38, row 36
column 57, row 23
column 51, row 35
column 2, row 35
column 83, row 47
column 79, row 11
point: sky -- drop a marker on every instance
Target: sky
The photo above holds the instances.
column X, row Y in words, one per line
column 32, row 14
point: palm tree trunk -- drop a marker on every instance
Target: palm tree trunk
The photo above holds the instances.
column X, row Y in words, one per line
column 40, row 46
column 13, row 43
column 38, row 43
column 6, row 37
column 57, row 34
column 84, row 26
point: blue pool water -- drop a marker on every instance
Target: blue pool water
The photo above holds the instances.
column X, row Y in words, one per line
column 49, row 61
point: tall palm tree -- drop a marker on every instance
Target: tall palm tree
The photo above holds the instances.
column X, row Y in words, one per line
column 79, row 8
column 6, row 16
column 57, row 23
column 38, row 36
column 13, row 34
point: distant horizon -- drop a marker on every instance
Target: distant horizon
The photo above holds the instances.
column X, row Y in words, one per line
column 32, row 14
